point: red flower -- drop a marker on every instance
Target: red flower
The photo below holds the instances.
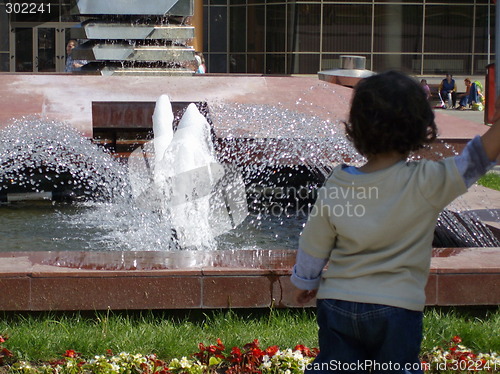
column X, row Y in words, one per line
column 70, row 353
column 3, row 339
column 254, row 344
column 109, row 352
column 236, row 351
column 6, row 353
column 257, row 352
column 456, row 339
column 56, row 362
column 236, row 355
column 271, row 351
column 205, row 352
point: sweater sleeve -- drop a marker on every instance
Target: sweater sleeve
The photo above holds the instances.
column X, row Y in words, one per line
column 319, row 234
column 306, row 273
column 473, row 162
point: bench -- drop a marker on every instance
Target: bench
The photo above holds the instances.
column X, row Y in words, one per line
column 435, row 101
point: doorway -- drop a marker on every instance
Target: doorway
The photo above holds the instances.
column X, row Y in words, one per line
column 37, row 48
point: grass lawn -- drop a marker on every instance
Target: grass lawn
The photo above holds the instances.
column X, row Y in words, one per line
column 490, row 180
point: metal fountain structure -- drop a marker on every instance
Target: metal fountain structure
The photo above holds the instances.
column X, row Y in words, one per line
column 352, row 70
column 128, row 37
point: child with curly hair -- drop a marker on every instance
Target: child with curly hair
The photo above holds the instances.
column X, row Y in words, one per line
column 374, row 227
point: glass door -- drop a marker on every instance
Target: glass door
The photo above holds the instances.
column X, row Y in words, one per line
column 23, row 52
column 38, row 49
column 45, row 50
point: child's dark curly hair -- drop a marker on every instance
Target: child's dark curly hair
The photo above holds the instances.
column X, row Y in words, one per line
column 390, row 112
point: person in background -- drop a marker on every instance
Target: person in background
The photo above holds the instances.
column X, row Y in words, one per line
column 200, row 60
column 448, row 87
column 374, row 225
column 72, row 65
column 426, row 88
column 473, row 95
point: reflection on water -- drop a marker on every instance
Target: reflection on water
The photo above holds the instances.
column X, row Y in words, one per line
column 43, row 227
column 48, row 226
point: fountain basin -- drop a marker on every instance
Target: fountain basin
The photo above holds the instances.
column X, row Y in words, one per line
column 34, row 281
column 70, row 280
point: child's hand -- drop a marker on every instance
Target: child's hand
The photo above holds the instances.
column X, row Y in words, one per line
column 304, row 296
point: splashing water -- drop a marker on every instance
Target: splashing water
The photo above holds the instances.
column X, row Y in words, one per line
column 37, row 155
column 281, row 155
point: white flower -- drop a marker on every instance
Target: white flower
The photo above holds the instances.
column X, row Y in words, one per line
column 297, row 355
column 267, row 364
column 185, row 363
column 115, row 368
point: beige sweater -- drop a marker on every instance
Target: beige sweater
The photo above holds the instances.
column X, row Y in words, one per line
column 377, row 230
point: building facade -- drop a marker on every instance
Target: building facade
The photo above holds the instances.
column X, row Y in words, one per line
column 304, row 37
column 427, row 37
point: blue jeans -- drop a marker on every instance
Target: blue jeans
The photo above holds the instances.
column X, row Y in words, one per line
column 473, row 96
column 366, row 338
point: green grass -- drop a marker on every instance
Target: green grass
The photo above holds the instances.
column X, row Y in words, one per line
column 478, row 328
column 490, row 180
column 45, row 336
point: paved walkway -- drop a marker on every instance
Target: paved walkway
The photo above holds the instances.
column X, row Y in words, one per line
column 469, row 115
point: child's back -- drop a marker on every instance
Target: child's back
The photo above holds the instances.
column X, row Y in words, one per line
column 374, row 226
column 381, row 225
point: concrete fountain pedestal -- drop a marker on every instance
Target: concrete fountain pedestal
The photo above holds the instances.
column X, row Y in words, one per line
column 72, row 280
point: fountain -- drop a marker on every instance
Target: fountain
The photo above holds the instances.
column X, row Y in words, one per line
column 177, row 175
column 130, row 37
column 116, row 257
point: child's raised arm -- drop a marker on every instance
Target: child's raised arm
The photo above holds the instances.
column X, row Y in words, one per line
column 491, row 139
